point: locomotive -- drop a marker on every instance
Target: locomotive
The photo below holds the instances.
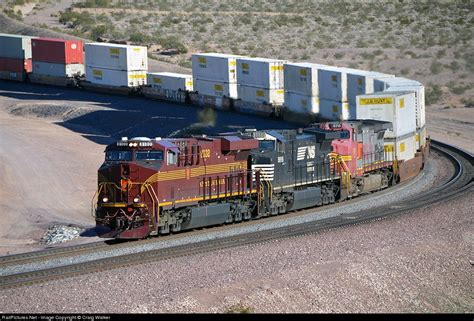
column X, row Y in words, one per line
column 159, row 186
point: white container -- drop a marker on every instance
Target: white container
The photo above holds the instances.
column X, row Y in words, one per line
column 395, row 107
column 402, row 84
column 333, row 110
column 214, row 88
column 301, row 78
column 261, row 95
column 403, row 148
column 215, row 67
column 361, row 82
column 115, row 78
column 260, row 72
column 57, row 70
column 302, row 104
column 114, row 56
column 15, row 46
column 170, row 81
column 332, row 83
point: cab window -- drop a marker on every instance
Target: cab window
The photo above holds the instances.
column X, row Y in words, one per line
column 171, row 158
column 149, row 155
column 118, row 155
column 266, row 145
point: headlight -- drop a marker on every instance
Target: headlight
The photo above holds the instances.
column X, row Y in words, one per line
column 136, row 200
column 105, row 200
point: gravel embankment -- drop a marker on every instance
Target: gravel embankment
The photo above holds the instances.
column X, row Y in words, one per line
column 435, row 170
column 417, row 262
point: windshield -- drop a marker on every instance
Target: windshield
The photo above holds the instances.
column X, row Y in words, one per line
column 149, row 155
column 118, row 155
column 266, row 145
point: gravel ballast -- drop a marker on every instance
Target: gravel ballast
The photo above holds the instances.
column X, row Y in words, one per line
column 416, row 262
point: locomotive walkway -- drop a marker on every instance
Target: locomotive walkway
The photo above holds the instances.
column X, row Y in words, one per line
column 461, row 182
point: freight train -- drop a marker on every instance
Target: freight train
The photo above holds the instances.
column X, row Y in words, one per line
column 371, row 134
column 160, row 186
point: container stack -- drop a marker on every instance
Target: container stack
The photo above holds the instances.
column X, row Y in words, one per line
column 57, row 59
column 215, row 74
column 15, row 56
column 361, row 82
column 397, row 107
column 403, row 84
column 260, row 80
column 333, row 104
column 114, row 65
column 168, row 85
column 301, row 88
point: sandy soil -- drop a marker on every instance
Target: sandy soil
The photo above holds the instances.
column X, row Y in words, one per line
column 47, row 176
column 452, row 125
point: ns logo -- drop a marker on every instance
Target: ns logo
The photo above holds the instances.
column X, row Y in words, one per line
column 308, row 152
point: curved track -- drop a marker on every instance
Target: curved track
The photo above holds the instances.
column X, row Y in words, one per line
column 461, row 182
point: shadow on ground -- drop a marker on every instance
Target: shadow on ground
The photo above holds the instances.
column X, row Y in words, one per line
column 118, row 116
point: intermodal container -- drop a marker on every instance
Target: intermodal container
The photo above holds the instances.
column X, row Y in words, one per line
column 15, row 46
column 260, row 72
column 332, row 83
column 15, row 65
column 261, row 95
column 333, row 109
column 115, row 56
column 395, row 107
column 402, row 84
column 58, row 51
column 115, row 78
column 361, row 82
column 215, row 88
column 57, row 70
column 403, row 147
column 302, row 104
column 215, row 67
column 301, row 78
column 170, row 81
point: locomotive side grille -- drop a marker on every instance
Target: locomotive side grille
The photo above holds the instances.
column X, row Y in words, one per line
column 267, row 171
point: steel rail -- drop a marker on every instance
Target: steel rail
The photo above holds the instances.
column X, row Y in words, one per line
column 461, row 182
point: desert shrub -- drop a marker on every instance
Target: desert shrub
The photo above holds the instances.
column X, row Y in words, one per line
column 405, row 71
column 468, row 102
column 454, row 66
column 139, row 37
column 469, row 59
column 441, row 53
column 458, row 89
column 99, row 31
column 436, row 67
column 172, row 42
column 12, row 14
column 94, row 4
column 339, row 55
column 239, row 308
column 433, row 94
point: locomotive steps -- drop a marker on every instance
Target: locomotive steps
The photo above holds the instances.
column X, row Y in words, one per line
column 461, row 182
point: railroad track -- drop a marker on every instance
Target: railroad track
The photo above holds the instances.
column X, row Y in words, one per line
column 461, row 182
